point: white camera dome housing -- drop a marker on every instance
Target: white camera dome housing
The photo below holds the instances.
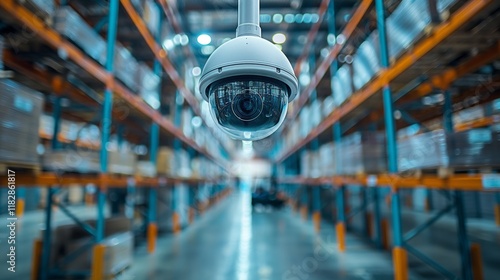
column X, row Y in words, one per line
column 248, row 83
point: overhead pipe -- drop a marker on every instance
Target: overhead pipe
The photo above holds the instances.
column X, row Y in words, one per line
column 248, row 18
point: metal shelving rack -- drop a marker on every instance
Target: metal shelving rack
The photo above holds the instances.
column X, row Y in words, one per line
column 113, row 88
column 383, row 84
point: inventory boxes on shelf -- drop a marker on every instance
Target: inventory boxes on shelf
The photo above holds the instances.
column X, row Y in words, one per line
column 363, row 153
column 67, row 160
column 73, row 27
column 474, row 148
column 70, row 238
column 469, row 114
column 118, row 253
column 365, row 62
column 148, row 83
column 327, row 156
column 342, row 85
column 310, row 164
column 146, row 168
column 165, row 161
column 44, row 9
column 122, row 162
column 126, row 67
column 403, row 30
column 20, row 110
column 427, row 150
column 151, row 16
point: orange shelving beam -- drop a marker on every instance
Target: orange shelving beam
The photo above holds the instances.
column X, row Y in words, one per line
column 464, row 182
column 48, row 179
column 311, row 36
column 349, row 29
column 161, row 55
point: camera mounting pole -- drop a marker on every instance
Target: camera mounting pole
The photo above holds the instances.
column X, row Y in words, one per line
column 248, row 18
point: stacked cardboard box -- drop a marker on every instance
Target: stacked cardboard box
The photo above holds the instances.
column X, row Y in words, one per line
column 165, row 161
column 403, row 30
column 366, row 63
column 122, row 162
column 310, row 164
column 426, row 150
column 148, row 84
column 69, row 238
column 73, row 27
column 305, row 121
column 68, row 160
column 363, row 153
column 328, row 165
column 146, row 168
column 469, row 114
column 342, row 85
column 20, row 110
column 474, row 148
column 151, row 16
column 183, row 164
column 44, row 9
column 126, row 67
column 187, row 127
column 315, row 114
column 119, row 252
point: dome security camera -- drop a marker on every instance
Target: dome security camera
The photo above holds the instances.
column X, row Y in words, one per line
column 248, row 81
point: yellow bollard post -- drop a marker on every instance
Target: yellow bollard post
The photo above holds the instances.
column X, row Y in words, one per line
column 317, row 221
column 477, row 262
column 340, row 228
column 191, row 215
column 385, row 233
column 176, row 228
column 36, row 259
column 20, row 207
column 97, row 272
column 303, row 212
column 152, row 235
column 400, row 261
column 497, row 214
column 369, row 224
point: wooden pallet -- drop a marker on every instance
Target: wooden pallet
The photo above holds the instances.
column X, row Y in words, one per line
column 29, row 168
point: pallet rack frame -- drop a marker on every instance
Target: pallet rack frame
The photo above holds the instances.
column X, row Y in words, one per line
column 55, row 182
column 455, row 183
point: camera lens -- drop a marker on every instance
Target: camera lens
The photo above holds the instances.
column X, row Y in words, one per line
column 247, row 105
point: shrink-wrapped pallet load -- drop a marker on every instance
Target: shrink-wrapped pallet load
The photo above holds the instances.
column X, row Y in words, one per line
column 20, row 111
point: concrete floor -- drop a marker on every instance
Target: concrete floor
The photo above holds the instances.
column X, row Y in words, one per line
column 232, row 242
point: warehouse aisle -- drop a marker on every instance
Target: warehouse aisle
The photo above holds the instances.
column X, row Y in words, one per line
column 230, row 242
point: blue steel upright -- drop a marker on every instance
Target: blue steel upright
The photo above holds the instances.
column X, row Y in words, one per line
column 177, row 142
column 47, row 237
column 463, row 240
column 56, row 114
column 399, row 253
column 106, row 115
column 44, row 273
column 153, row 150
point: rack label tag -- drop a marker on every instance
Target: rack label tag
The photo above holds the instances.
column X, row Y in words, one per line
column 491, row 181
column 131, row 181
column 371, row 181
column 162, row 181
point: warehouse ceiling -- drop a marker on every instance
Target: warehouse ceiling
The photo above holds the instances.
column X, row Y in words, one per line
column 294, row 19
